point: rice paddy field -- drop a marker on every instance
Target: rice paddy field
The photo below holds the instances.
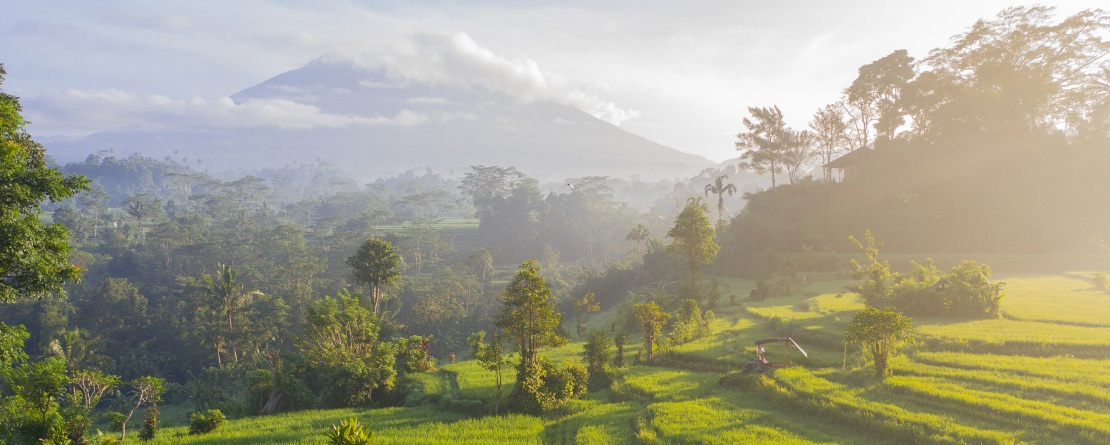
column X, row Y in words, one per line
column 1038, row 375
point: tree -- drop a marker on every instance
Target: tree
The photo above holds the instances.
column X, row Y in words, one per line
column 41, row 384
column 34, row 257
column 1024, row 70
column 719, row 188
column 652, row 318
column 599, row 351
column 829, row 135
column 639, row 234
column 492, row 356
column 483, row 264
column 374, row 265
column 143, row 208
column 582, row 306
column 528, row 315
column 874, row 98
column 764, row 142
column 145, row 390
column 797, row 152
column 86, row 388
column 693, row 238
column 341, row 343
column 228, row 294
column 878, row 331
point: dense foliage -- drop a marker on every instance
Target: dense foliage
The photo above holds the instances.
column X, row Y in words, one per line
column 964, row 291
column 878, row 331
column 951, row 152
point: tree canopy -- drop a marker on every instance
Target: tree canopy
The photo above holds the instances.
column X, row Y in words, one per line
column 375, row 264
column 34, row 257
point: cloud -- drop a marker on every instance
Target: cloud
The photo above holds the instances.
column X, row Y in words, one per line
column 456, row 59
column 79, row 112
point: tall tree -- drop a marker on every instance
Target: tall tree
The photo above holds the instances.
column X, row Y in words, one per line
column 829, row 135
column 874, row 98
column 482, row 260
column 719, row 188
column 230, row 297
column 762, row 145
column 375, row 264
column 1025, row 70
column 34, row 257
column 639, row 234
column 693, row 239
column 528, row 314
column 143, row 208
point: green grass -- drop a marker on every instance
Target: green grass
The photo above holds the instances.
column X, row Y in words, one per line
column 1038, row 377
column 1067, row 299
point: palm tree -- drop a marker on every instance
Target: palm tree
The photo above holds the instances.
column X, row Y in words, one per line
column 639, row 234
column 229, row 295
column 719, row 188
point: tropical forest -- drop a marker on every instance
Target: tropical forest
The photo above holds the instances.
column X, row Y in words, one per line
column 925, row 260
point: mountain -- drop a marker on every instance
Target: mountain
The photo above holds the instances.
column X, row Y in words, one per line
column 372, row 124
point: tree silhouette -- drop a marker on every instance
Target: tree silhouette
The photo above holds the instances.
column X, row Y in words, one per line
column 762, row 145
column 719, row 188
column 639, row 234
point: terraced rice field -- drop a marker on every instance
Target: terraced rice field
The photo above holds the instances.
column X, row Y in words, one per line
column 1040, row 376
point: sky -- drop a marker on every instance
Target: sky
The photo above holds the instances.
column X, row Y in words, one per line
column 681, row 73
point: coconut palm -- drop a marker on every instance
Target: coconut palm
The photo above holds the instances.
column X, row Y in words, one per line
column 228, row 294
column 719, row 188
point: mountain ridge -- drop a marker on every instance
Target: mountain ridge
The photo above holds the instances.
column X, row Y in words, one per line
column 371, row 124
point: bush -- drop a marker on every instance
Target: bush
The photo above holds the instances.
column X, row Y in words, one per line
column 349, row 432
column 619, row 342
column 150, row 424
column 599, row 352
column 412, row 355
column 1102, row 282
column 206, row 422
column 546, row 386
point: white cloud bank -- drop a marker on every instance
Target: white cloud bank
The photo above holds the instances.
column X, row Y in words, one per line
column 79, row 112
column 455, row 59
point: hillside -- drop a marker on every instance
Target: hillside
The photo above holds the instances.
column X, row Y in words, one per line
column 372, row 124
column 1037, row 377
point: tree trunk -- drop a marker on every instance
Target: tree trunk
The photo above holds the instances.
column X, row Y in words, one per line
column 375, row 297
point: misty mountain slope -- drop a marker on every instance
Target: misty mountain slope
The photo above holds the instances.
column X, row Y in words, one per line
column 371, row 124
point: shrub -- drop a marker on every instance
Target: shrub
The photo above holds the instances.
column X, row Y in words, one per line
column 349, row 432
column 546, row 386
column 1102, row 282
column 150, row 423
column 619, row 342
column 599, row 352
column 412, row 354
column 206, row 422
column 690, row 323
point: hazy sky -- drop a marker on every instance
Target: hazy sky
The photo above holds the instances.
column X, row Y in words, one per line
column 681, row 73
